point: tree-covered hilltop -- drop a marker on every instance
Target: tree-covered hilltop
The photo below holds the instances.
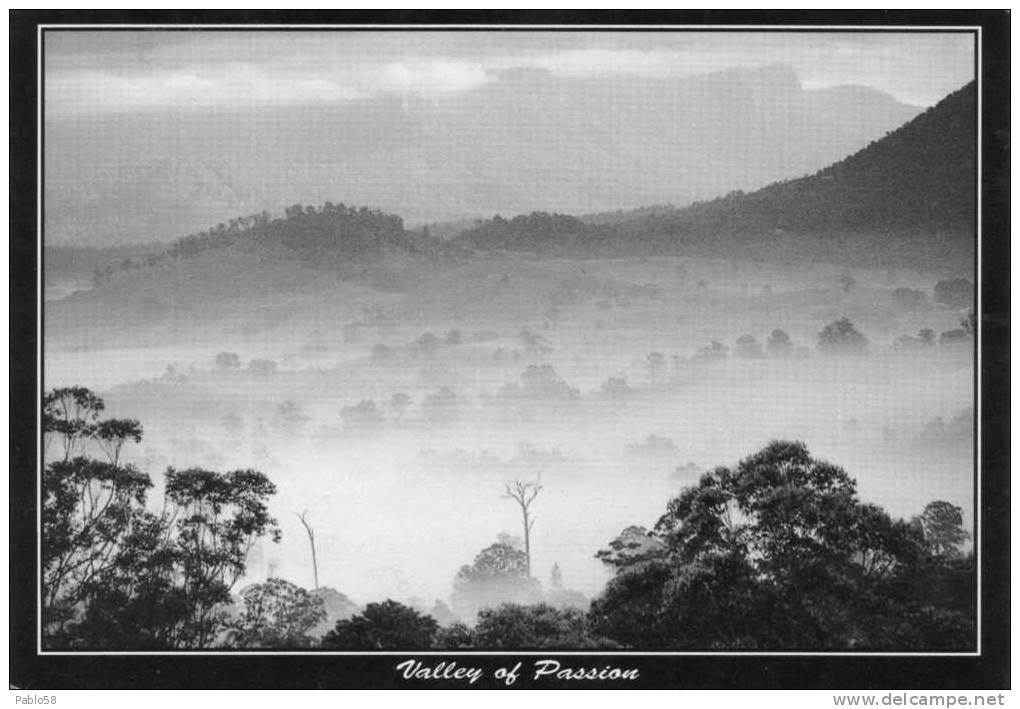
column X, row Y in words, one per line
column 312, row 233
column 526, row 232
column 325, row 236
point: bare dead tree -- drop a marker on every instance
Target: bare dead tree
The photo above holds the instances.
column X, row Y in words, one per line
column 524, row 494
column 311, row 541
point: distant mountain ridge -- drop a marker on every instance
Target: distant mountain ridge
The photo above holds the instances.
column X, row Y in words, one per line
column 920, row 177
column 529, row 141
column 909, row 194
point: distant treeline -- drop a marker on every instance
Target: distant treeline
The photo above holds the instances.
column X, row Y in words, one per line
column 333, row 230
column 911, row 191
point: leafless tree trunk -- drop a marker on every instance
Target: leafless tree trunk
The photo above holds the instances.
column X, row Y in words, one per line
column 311, row 541
column 524, row 494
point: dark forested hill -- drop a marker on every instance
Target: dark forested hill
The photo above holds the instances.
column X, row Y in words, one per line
column 909, row 194
column 919, row 178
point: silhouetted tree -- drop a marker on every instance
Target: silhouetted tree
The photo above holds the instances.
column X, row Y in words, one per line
column 841, row 337
column 524, row 494
column 748, row 347
column 497, row 575
column 117, row 576
column 276, row 614
column 383, row 626
column 226, row 361
column 363, row 417
column 779, row 344
column 776, row 553
column 942, row 523
column 956, row 293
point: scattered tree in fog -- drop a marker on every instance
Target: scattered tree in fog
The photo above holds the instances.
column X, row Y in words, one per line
column 453, row 338
column 841, row 337
column 540, row 383
column 399, row 403
column 427, row 344
column 777, row 553
column 687, row 471
column 653, row 446
column 262, row 366
column 227, row 361
column 440, row 409
column 748, row 347
column 969, row 323
column 939, row 432
column 616, row 388
column 779, row 344
column 714, row 351
column 847, row 282
column 499, row 574
column 289, row 418
column 363, row 417
column 950, row 337
column 656, row 368
column 956, row 293
column 524, row 494
column 556, row 577
column 925, row 338
column 383, row 626
column 311, row 542
column 533, row 344
column 909, row 298
column 275, row 614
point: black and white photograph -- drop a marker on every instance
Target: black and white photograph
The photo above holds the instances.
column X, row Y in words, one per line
column 598, row 349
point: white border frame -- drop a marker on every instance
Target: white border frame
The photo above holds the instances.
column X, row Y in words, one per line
column 822, row 29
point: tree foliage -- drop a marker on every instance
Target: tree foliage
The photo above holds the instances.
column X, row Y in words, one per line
column 117, row 575
column 276, row 613
column 841, row 337
column 536, row 626
column 499, row 574
column 778, row 553
column 383, row 626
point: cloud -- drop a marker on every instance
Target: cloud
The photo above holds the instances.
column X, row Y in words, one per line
column 433, row 77
column 235, row 85
column 235, row 70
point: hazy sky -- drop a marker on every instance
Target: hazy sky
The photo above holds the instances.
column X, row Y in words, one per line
column 95, row 72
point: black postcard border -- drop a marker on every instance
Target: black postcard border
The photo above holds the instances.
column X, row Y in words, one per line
column 989, row 669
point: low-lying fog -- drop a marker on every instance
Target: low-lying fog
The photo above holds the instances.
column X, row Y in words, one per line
column 403, row 491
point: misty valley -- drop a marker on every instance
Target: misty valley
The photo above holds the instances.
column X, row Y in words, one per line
column 747, row 424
